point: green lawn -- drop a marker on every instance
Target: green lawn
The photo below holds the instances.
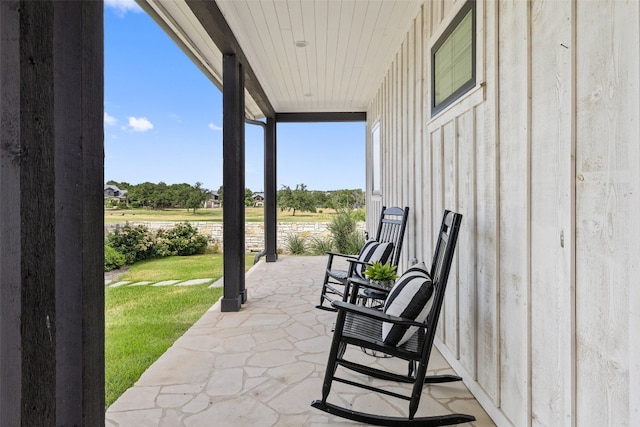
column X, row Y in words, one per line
column 142, row 322
column 112, row 216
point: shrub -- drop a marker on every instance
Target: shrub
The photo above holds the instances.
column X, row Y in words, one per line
column 342, row 227
column 184, row 240
column 112, row 259
column 135, row 242
column 359, row 214
column 214, row 247
column 296, row 244
column 162, row 246
column 354, row 243
column 319, row 246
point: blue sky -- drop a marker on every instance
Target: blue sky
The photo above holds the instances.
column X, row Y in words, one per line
column 163, row 120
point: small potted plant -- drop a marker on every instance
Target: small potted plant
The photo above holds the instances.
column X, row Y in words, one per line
column 381, row 274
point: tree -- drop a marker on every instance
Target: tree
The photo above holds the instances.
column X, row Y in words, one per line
column 299, row 199
column 197, row 197
column 351, row 199
column 161, row 196
column 121, row 185
column 220, row 191
column 248, row 197
column 180, row 194
column 142, row 194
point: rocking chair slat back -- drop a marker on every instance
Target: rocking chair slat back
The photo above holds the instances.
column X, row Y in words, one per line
column 391, row 228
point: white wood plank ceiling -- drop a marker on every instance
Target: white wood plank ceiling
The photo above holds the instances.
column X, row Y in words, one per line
column 308, row 55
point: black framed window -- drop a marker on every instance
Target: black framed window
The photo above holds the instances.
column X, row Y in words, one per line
column 453, row 59
column 376, row 160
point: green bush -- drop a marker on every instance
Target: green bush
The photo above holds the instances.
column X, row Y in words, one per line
column 112, row 259
column 135, row 242
column 296, row 244
column 180, row 240
column 359, row 214
column 342, row 228
column 320, row 246
column 354, row 243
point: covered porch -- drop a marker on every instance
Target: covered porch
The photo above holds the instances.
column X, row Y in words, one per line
column 264, row 365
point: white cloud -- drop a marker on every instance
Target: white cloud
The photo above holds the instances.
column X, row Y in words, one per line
column 214, row 127
column 123, row 6
column 109, row 120
column 141, row 124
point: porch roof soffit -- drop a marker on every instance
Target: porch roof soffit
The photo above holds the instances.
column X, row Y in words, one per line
column 320, row 57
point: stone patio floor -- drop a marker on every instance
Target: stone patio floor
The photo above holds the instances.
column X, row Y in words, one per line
column 262, row 366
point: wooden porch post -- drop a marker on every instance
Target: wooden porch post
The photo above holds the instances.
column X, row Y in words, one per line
column 51, row 214
column 233, row 182
column 270, row 191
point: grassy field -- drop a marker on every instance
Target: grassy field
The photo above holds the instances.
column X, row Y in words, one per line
column 112, row 216
column 178, row 268
column 142, row 322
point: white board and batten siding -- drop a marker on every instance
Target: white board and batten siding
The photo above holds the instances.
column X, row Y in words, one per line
column 542, row 314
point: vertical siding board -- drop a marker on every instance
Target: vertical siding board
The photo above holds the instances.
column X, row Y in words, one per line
column 606, row 193
column 551, row 214
column 406, row 172
column 513, row 213
column 466, row 253
column 412, row 142
column 436, row 14
column 488, row 359
column 390, row 197
column 450, row 308
column 427, row 183
column 384, row 143
column 416, row 86
column 400, row 128
column 437, row 197
column 422, row 249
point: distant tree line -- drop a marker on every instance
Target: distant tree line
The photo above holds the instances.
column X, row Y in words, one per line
column 302, row 200
column 161, row 195
column 299, row 199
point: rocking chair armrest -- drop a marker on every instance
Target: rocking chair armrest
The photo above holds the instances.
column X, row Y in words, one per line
column 355, row 260
column 360, row 310
column 358, row 282
column 332, row 254
column 341, row 254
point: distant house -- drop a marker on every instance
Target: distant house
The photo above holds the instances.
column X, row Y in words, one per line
column 113, row 192
column 213, row 202
column 258, row 199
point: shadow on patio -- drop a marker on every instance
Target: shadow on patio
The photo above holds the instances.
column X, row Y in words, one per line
column 264, row 365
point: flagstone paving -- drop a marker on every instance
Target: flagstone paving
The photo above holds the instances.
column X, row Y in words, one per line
column 166, row 283
column 262, row 366
column 194, row 282
column 191, row 282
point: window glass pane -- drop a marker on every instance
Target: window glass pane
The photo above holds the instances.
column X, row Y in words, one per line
column 453, row 61
column 376, row 159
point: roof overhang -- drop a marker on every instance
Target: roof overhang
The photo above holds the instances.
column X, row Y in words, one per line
column 323, row 58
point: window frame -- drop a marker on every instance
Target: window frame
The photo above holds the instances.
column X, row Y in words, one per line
column 469, row 6
column 376, row 159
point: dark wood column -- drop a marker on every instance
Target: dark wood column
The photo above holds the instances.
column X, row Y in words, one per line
column 270, row 191
column 233, row 181
column 51, row 215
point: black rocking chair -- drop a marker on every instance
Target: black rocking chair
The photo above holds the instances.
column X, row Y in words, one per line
column 362, row 327
column 391, row 227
